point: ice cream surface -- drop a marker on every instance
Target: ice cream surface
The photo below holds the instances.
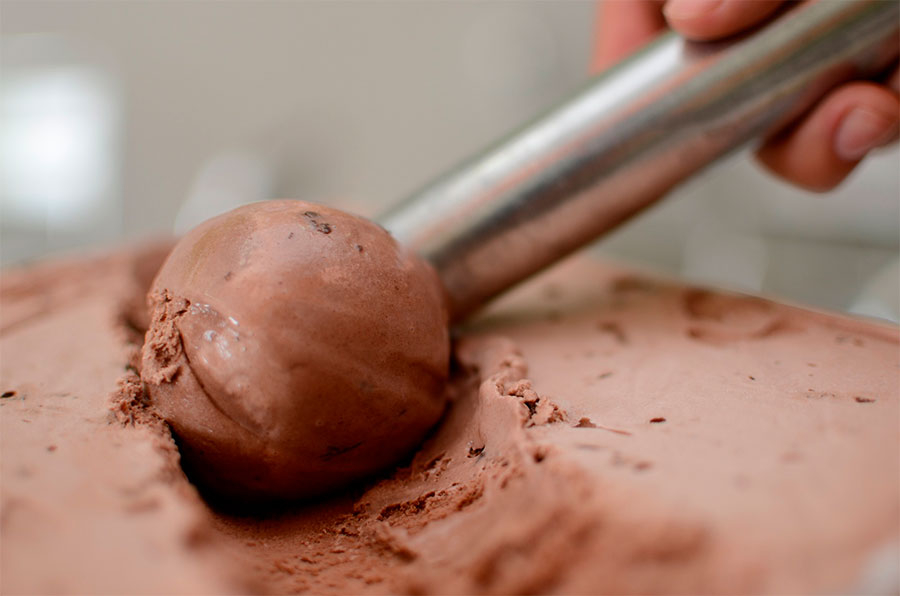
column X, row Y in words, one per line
column 607, row 433
column 293, row 349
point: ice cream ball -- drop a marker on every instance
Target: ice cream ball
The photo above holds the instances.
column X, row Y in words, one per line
column 294, row 349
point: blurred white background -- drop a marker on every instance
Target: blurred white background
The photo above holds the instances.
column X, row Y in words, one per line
column 125, row 119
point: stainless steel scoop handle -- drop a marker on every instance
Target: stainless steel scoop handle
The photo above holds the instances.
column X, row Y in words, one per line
column 628, row 138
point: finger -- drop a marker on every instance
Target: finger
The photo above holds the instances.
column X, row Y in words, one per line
column 713, row 19
column 826, row 145
column 622, row 26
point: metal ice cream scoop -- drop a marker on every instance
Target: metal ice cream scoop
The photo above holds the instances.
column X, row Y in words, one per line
column 629, row 137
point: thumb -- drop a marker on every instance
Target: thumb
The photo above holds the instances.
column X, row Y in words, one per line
column 622, row 26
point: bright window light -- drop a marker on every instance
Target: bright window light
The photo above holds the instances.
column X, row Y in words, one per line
column 57, row 130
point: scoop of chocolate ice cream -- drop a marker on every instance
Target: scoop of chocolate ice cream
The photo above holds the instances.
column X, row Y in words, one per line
column 293, row 349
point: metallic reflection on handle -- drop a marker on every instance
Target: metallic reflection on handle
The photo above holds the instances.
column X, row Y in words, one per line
column 628, row 138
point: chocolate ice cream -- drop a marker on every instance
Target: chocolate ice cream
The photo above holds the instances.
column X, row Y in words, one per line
column 294, row 348
column 606, row 433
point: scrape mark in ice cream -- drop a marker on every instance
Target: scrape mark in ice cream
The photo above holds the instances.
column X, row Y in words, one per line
column 613, row 329
column 437, row 466
column 618, row 431
column 332, row 451
column 395, row 541
column 541, row 410
column 589, row 446
column 704, row 305
column 434, row 461
column 406, row 507
column 720, row 319
column 588, row 423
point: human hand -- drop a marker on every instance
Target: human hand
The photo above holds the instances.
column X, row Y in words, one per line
column 815, row 153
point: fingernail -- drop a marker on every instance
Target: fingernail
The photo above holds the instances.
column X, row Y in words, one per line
column 690, row 9
column 861, row 131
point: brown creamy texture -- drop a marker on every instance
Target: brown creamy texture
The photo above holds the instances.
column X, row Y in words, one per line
column 607, row 433
column 294, row 348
